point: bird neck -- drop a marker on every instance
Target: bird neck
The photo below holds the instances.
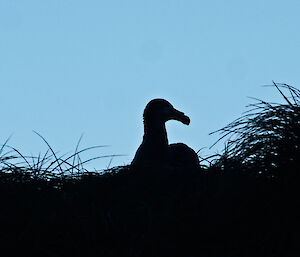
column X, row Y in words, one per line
column 155, row 133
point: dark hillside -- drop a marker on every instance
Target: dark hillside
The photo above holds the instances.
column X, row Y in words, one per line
column 244, row 203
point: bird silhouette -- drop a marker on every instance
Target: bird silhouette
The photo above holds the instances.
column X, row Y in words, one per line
column 155, row 149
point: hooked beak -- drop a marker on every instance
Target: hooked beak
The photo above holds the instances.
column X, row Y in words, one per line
column 177, row 115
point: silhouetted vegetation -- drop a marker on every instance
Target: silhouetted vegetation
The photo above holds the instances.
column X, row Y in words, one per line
column 243, row 202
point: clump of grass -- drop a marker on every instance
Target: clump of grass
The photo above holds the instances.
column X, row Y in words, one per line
column 45, row 167
column 266, row 138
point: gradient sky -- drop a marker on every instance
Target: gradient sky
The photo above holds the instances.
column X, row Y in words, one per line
column 69, row 67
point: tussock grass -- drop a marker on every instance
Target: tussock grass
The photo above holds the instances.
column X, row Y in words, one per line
column 48, row 166
column 266, row 138
column 243, row 203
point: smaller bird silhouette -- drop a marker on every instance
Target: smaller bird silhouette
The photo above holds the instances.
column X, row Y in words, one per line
column 155, row 149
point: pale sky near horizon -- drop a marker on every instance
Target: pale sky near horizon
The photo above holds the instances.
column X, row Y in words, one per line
column 72, row 67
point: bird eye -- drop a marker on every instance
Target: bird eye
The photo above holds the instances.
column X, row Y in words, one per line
column 167, row 110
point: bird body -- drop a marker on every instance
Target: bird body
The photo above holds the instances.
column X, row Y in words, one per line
column 181, row 155
column 155, row 149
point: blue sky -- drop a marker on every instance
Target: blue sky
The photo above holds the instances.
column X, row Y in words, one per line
column 72, row 67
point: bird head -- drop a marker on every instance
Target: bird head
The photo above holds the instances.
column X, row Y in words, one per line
column 160, row 111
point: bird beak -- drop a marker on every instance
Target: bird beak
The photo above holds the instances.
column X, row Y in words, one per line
column 177, row 115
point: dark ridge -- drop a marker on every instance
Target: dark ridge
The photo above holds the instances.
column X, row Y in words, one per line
column 244, row 203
